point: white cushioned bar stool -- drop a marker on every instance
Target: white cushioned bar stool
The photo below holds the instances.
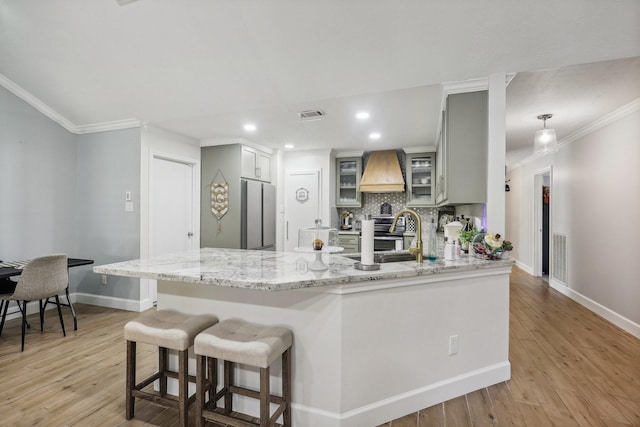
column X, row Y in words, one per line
column 165, row 329
column 237, row 341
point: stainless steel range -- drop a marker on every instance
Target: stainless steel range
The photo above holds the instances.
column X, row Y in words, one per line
column 383, row 240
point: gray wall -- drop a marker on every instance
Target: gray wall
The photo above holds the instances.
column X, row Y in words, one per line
column 109, row 166
column 38, row 193
column 61, row 192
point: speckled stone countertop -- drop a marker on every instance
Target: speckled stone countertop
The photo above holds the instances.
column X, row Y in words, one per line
column 275, row 271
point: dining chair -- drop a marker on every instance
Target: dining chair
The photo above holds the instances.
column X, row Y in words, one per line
column 41, row 278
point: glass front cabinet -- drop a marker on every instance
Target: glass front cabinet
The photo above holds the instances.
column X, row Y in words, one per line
column 349, row 170
column 420, row 173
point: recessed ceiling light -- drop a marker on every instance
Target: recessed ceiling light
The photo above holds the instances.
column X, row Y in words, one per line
column 250, row 127
column 374, row 136
column 362, row 115
column 288, row 146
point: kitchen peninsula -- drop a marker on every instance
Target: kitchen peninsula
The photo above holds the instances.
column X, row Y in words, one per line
column 369, row 346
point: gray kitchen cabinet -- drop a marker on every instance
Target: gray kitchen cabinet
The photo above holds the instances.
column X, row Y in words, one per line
column 420, row 173
column 463, row 147
column 255, row 164
column 350, row 242
column 349, row 171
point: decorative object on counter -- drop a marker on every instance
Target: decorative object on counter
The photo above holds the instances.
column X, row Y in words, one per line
column 490, row 246
column 366, row 245
column 345, row 220
column 317, row 245
column 452, row 230
column 318, row 240
column 385, row 208
column 466, row 237
column 446, row 214
column 219, row 197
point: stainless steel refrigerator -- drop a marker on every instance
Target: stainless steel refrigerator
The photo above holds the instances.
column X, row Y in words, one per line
column 258, row 215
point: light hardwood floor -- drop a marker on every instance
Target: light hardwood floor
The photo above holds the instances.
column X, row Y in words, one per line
column 569, row 368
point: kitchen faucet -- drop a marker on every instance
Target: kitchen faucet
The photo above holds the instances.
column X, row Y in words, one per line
column 417, row 251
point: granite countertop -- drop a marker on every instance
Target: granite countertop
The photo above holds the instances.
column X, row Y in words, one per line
column 273, row 271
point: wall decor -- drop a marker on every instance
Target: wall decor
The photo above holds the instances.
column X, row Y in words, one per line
column 219, row 196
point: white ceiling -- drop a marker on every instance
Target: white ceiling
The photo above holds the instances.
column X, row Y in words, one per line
column 204, row 67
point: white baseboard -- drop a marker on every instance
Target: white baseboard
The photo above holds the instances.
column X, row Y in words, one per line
column 406, row 403
column 613, row 317
column 524, row 267
column 112, row 302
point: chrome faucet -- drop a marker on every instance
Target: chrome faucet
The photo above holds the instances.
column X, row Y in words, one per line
column 417, row 251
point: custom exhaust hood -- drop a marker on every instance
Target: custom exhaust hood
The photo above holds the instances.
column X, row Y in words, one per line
column 382, row 174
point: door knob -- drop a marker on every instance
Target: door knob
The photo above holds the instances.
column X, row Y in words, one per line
column 189, row 234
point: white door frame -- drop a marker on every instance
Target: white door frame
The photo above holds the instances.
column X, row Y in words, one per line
column 538, row 181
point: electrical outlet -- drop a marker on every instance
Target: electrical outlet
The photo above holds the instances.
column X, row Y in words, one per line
column 453, row 345
column 103, row 279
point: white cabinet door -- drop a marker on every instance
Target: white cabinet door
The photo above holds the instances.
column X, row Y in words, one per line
column 301, row 204
column 264, row 167
column 249, row 163
column 255, row 164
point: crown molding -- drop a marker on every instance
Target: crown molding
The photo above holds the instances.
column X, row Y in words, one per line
column 108, row 126
column 36, row 103
column 59, row 118
column 603, row 121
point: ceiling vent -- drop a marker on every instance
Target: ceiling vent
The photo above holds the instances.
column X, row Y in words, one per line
column 310, row 115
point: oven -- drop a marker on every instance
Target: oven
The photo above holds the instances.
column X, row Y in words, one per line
column 383, row 240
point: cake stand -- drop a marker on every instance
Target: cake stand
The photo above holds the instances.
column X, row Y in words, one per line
column 317, row 264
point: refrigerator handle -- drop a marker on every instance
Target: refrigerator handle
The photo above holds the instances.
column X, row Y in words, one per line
column 287, row 231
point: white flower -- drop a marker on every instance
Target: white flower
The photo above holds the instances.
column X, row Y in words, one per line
column 494, row 241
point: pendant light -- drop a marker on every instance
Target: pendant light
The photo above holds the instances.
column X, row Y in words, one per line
column 545, row 140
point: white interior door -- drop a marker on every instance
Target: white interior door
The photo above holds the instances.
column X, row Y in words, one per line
column 301, row 204
column 171, row 222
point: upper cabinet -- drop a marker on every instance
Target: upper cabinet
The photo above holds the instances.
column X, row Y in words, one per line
column 349, row 171
column 420, row 172
column 462, row 148
column 255, row 164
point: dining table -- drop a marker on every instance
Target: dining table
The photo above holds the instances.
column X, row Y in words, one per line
column 14, row 268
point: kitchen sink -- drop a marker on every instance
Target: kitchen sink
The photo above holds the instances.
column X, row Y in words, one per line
column 383, row 257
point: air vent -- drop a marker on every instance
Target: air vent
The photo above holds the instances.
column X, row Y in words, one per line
column 559, row 260
column 310, row 115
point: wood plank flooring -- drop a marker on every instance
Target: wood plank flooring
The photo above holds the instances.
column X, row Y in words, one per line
column 569, row 368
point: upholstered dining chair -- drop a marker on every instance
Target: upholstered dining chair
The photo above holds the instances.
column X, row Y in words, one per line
column 41, row 278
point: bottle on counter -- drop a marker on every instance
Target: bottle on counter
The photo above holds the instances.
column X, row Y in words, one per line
column 457, row 250
column 448, row 250
column 432, row 253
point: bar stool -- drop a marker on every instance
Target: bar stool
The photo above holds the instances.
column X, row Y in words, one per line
column 165, row 329
column 237, row 341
